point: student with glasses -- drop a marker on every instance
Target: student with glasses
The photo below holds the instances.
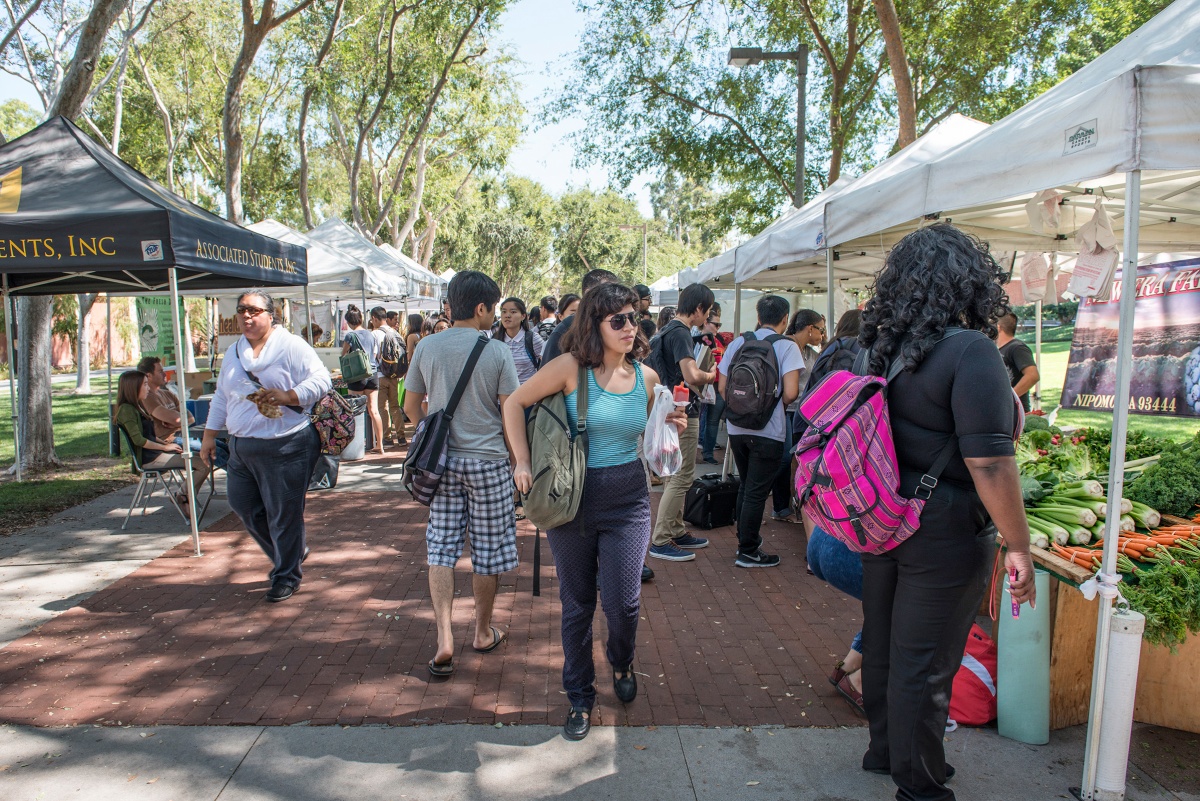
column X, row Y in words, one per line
column 608, row 537
column 807, row 330
column 273, row 446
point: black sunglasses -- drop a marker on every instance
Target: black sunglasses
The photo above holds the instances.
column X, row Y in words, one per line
column 618, row 321
column 253, row 311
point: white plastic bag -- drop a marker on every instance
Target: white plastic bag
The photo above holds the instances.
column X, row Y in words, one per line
column 708, row 395
column 661, row 440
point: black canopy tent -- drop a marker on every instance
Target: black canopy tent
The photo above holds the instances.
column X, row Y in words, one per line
column 75, row 218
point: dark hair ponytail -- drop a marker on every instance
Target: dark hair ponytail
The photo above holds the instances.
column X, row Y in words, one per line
column 353, row 315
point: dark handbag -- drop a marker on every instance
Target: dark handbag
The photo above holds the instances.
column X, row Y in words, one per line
column 428, row 451
column 711, row 501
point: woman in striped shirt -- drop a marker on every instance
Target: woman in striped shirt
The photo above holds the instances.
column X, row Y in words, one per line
column 610, row 534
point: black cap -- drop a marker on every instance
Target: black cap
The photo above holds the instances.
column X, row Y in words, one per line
column 642, row 291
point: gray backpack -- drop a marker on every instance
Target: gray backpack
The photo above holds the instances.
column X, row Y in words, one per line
column 558, row 460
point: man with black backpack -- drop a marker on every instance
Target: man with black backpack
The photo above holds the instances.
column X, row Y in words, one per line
column 393, row 364
column 760, row 375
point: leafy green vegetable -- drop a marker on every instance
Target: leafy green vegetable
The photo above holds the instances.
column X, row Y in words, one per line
column 1033, row 490
column 1168, row 594
column 1172, row 484
column 1035, row 422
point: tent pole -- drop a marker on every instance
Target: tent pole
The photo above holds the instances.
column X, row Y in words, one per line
column 307, row 316
column 830, row 323
column 364, row 301
column 108, row 344
column 1116, row 480
column 737, row 309
column 1037, row 354
column 10, row 310
column 183, row 416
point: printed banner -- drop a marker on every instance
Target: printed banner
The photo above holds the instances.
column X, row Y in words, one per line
column 1166, row 345
column 156, row 335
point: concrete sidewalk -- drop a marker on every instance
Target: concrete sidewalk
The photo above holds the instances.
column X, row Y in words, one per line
column 465, row 763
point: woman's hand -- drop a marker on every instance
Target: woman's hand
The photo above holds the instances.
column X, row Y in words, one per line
column 171, row 447
column 523, row 477
column 1023, row 589
column 679, row 419
column 280, row 397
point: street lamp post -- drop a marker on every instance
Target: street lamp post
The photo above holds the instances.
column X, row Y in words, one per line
column 747, row 56
column 645, row 232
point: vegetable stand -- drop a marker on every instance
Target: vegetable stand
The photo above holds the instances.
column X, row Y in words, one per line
column 1165, row 690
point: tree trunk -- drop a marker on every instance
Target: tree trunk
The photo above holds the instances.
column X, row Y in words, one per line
column 35, row 316
column 906, row 104
column 305, row 202
column 83, row 345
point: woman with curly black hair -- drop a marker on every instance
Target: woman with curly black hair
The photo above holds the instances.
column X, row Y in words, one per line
column 935, row 307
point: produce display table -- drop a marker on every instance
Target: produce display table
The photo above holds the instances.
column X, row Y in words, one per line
column 1166, row 684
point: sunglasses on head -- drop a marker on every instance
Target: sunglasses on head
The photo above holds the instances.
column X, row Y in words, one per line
column 252, row 311
column 619, row 321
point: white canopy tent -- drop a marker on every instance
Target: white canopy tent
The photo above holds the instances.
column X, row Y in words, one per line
column 428, row 287
column 341, row 237
column 332, row 273
column 1129, row 120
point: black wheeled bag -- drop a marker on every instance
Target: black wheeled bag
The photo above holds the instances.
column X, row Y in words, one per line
column 711, row 501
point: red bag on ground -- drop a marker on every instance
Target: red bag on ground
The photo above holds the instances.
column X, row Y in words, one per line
column 973, row 698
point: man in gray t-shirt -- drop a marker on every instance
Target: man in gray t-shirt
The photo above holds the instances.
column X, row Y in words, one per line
column 476, row 492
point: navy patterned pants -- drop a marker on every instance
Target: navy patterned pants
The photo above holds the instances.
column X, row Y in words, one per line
column 615, row 513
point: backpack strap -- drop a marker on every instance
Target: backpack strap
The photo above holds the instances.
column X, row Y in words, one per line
column 929, row 481
column 896, row 367
column 529, row 349
column 581, row 405
column 465, row 378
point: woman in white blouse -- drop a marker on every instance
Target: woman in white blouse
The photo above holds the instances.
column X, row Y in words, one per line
column 273, row 446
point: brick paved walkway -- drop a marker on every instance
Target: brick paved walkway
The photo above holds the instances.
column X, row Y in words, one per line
column 189, row 641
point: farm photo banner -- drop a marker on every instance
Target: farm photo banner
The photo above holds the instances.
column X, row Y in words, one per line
column 1166, row 345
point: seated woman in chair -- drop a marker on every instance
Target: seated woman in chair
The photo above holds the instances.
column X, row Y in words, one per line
column 132, row 418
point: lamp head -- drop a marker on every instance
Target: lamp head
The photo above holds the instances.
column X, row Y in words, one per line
column 744, row 56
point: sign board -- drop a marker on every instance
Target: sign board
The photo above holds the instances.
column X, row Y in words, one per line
column 156, row 335
column 1166, row 345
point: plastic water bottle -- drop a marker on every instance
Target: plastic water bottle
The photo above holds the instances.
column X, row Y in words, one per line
column 1023, row 667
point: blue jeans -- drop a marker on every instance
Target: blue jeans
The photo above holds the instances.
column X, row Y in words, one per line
column 710, row 424
column 833, row 562
column 222, row 457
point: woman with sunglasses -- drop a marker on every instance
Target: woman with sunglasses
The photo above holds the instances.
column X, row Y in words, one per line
column 609, row 536
column 269, row 380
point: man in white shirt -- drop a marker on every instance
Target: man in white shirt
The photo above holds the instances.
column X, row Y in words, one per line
column 758, row 451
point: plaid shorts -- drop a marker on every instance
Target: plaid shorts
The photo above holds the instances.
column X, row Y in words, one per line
column 477, row 496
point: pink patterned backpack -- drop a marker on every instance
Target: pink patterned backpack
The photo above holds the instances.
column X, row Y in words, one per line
column 848, row 479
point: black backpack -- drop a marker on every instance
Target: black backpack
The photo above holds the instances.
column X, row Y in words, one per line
column 751, row 382
column 530, row 349
column 393, row 357
column 669, row 373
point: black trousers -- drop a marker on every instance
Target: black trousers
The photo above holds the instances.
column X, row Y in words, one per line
column 757, row 459
column 919, row 601
column 267, row 482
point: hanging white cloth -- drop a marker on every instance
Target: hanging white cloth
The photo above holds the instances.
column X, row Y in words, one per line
column 1042, row 210
column 1098, row 257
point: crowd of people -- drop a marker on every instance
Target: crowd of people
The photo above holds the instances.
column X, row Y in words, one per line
column 952, row 393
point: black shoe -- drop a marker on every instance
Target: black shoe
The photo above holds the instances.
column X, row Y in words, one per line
column 579, row 722
column 950, row 771
column 757, row 559
column 625, row 687
column 280, row 592
column 647, row 574
column 304, row 556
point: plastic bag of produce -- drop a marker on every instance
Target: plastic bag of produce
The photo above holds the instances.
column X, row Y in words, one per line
column 661, row 442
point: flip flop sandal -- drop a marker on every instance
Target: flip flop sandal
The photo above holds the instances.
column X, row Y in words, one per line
column 847, row 691
column 441, row 670
column 497, row 639
column 520, row 515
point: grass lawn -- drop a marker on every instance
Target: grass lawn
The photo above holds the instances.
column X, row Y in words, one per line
column 81, row 441
column 1056, row 349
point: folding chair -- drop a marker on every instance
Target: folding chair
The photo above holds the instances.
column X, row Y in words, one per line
column 171, row 478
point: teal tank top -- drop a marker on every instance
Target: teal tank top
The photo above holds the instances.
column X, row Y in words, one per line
column 614, row 422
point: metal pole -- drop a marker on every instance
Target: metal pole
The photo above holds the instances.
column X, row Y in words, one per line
column 183, row 412
column 113, row 443
column 307, row 316
column 1116, row 476
column 645, row 257
column 801, row 92
column 830, row 323
column 10, row 311
column 1037, row 354
column 737, row 309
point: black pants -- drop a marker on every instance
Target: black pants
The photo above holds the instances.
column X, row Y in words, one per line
column 757, row 459
column 267, row 482
column 919, row 601
column 781, row 490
